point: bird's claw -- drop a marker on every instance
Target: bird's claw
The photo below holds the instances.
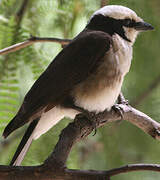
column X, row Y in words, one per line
column 91, row 116
column 118, row 110
column 125, row 102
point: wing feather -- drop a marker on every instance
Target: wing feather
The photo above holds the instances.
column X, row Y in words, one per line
column 71, row 66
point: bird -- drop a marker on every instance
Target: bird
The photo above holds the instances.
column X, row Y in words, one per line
column 87, row 74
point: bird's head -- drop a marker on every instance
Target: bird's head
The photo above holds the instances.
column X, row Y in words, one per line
column 115, row 19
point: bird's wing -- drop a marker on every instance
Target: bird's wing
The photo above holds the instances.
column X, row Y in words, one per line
column 71, row 66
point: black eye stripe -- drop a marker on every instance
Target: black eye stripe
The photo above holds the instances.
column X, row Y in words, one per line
column 129, row 22
column 110, row 25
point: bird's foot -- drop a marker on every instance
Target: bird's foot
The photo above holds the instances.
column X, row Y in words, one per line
column 118, row 110
column 125, row 102
column 91, row 116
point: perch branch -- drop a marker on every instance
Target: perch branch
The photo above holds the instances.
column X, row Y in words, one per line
column 45, row 173
column 54, row 166
column 31, row 41
column 81, row 128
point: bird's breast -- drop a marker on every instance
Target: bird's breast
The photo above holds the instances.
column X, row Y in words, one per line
column 122, row 53
column 101, row 89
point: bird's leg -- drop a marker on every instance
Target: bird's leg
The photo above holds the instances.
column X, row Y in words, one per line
column 117, row 108
column 91, row 116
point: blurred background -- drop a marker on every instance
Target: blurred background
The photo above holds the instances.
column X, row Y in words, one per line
column 114, row 145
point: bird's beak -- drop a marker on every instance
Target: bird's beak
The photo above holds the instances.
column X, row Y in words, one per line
column 143, row 26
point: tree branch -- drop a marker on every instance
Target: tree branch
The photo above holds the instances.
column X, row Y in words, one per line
column 48, row 173
column 54, row 166
column 134, row 167
column 82, row 127
column 31, row 41
column 21, row 12
column 35, row 39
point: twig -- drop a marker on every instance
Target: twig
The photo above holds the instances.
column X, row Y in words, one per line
column 82, row 127
column 141, row 120
column 21, row 12
column 45, row 173
column 147, row 92
column 54, row 166
column 31, row 41
column 134, row 167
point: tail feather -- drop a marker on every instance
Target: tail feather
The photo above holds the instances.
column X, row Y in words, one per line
column 24, row 144
column 9, row 128
column 15, row 123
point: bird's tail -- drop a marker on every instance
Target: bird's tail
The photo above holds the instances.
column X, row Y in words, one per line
column 24, row 144
column 14, row 124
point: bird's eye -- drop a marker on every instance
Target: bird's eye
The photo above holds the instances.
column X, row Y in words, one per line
column 127, row 22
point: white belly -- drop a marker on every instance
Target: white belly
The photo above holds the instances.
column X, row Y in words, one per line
column 103, row 100
column 100, row 102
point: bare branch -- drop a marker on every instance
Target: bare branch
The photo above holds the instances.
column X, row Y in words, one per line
column 21, row 12
column 142, row 121
column 134, row 167
column 49, row 173
column 82, row 127
column 34, row 39
column 54, row 165
column 31, row 41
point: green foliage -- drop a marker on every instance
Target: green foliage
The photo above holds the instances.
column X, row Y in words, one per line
column 114, row 145
column 8, row 75
column 12, row 65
